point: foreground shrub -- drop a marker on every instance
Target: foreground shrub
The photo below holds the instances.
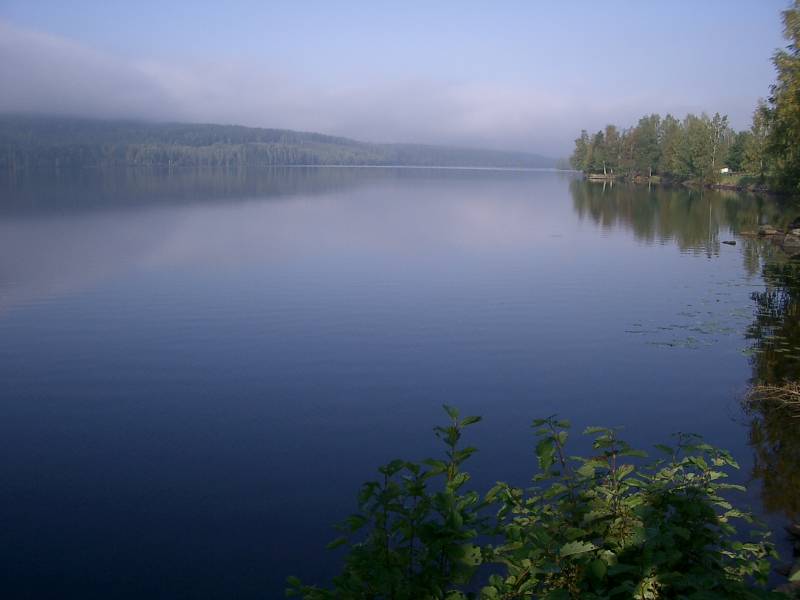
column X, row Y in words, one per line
column 604, row 526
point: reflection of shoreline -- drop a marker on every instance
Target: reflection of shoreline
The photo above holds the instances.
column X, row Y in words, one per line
column 695, row 220
column 91, row 189
column 80, row 190
column 434, row 168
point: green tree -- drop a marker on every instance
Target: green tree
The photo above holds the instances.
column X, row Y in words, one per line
column 613, row 146
column 599, row 154
column 670, row 137
column 755, row 151
column 580, row 156
column 720, row 136
column 701, row 146
column 737, row 151
column 647, row 152
column 784, row 105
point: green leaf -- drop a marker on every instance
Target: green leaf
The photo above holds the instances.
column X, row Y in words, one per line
column 621, row 568
column 451, row 411
column 597, row 568
column 795, row 576
column 554, row 490
column 665, row 449
column 576, row 547
column 623, row 471
column 355, row 522
column 634, row 453
column 558, row 595
column 393, row 467
column 438, row 466
column 459, row 479
column 471, row 555
column 495, row 490
column 681, row 532
column 462, row 455
column 489, row 593
column 545, row 451
column 470, row 420
column 698, row 461
column 592, row 430
column 340, row 541
column 593, row 515
column 573, row 533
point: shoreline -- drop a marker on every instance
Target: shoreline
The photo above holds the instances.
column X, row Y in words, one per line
column 689, row 183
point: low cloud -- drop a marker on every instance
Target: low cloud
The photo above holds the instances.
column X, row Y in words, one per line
column 44, row 73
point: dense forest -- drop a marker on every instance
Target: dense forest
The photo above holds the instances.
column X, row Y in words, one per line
column 31, row 142
column 704, row 148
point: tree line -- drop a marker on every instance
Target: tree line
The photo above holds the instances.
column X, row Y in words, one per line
column 699, row 147
column 40, row 142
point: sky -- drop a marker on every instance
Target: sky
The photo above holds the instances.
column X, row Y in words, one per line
column 525, row 75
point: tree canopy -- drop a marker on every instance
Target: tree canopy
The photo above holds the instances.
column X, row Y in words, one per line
column 782, row 113
column 696, row 147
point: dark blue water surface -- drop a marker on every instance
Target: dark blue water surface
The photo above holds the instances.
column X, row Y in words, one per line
column 197, row 370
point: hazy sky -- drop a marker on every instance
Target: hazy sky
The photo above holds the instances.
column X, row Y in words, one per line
column 518, row 75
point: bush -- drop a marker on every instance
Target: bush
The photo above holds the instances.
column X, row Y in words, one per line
column 604, row 526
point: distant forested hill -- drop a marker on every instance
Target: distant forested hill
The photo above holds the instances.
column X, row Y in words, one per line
column 33, row 142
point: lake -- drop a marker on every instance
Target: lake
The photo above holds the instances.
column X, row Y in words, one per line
column 199, row 368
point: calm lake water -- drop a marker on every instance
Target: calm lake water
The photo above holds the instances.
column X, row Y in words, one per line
column 198, row 370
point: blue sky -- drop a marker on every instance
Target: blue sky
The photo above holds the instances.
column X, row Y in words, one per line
column 521, row 75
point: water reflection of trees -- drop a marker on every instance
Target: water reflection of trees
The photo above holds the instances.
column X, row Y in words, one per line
column 697, row 221
column 775, row 428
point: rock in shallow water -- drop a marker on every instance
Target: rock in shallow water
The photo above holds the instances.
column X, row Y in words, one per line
column 791, row 241
column 767, row 230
